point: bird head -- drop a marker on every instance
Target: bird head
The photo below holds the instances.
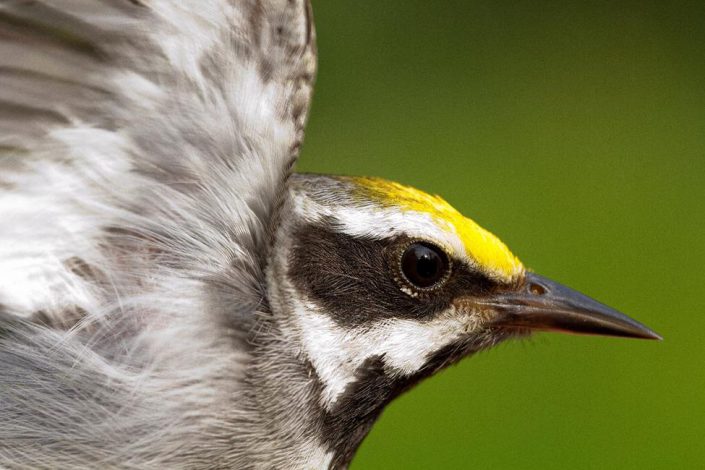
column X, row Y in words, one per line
column 379, row 285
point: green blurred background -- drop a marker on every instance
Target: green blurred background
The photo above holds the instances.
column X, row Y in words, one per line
column 575, row 130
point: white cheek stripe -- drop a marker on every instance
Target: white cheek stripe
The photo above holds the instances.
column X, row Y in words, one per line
column 405, row 345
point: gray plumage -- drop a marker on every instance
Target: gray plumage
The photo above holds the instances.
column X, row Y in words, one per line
column 144, row 149
column 171, row 296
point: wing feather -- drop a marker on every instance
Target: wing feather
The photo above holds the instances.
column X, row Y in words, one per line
column 145, row 147
column 160, row 127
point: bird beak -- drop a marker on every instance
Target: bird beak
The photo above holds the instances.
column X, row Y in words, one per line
column 542, row 304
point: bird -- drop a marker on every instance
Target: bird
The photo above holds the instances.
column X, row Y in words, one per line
column 173, row 294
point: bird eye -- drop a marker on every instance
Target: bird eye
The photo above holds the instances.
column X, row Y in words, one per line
column 424, row 265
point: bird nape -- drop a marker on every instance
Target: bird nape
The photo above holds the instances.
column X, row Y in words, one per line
column 171, row 296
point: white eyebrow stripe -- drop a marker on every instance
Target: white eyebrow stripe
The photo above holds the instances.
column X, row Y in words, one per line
column 382, row 222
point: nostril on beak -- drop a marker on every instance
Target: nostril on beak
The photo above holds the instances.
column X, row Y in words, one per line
column 536, row 289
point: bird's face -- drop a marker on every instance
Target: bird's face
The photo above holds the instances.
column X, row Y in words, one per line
column 370, row 274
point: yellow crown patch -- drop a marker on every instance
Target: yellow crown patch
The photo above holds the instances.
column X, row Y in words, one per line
column 488, row 251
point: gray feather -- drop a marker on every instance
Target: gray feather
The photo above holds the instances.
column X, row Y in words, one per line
column 145, row 148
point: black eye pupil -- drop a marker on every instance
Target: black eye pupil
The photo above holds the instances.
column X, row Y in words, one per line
column 424, row 264
column 427, row 266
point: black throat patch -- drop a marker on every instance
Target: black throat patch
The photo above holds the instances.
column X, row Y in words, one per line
column 353, row 280
column 344, row 427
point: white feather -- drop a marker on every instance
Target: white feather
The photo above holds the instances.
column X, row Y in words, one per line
column 405, row 345
column 144, row 152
